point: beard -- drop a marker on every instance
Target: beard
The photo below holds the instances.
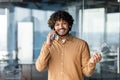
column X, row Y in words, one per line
column 67, row 32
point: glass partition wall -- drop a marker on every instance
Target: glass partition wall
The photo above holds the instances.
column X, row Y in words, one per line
column 100, row 26
column 98, row 23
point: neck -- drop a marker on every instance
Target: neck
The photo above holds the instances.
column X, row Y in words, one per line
column 64, row 37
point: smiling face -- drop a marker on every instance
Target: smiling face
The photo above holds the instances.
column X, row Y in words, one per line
column 61, row 22
column 61, row 27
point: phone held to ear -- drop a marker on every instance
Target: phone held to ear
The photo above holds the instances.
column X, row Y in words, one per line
column 53, row 36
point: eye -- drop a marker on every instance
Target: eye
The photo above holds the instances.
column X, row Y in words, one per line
column 64, row 22
column 56, row 24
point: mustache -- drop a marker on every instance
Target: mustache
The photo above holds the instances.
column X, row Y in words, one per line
column 62, row 28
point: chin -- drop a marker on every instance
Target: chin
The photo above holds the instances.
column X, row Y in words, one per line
column 63, row 34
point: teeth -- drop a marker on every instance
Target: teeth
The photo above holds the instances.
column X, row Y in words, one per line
column 62, row 30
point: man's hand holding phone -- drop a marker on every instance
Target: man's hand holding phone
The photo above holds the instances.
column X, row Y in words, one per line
column 50, row 37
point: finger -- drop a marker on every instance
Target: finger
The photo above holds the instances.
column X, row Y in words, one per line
column 97, row 58
column 92, row 60
column 51, row 33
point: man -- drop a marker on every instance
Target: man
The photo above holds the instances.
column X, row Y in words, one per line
column 65, row 56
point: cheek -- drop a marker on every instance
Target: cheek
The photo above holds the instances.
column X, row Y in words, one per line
column 55, row 28
column 67, row 27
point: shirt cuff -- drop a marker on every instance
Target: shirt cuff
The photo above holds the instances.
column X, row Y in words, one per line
column 92, row 65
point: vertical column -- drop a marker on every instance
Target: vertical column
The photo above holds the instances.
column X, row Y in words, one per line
column 118, row 60
column 118, row 49
column 74, row 11
column 11, row 43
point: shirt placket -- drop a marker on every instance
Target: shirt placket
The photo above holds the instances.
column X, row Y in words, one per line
column 62, row 63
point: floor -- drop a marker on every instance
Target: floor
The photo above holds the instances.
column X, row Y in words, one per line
column 29, row 72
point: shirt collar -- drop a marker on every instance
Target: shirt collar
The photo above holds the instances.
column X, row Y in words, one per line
column 69, row 38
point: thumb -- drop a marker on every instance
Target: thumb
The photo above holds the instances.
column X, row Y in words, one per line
column 92, row 60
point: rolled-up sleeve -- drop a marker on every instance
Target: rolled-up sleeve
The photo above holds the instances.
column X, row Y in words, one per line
column 43, row 59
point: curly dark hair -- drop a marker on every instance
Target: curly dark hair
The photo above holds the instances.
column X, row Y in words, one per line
column 58, row 15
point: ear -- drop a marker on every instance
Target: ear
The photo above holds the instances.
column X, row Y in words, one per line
column 70, row 28
column 51, row 27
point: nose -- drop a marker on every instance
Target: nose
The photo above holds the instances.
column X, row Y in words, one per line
column 61, row 25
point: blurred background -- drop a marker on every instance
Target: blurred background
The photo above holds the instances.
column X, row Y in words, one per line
column 23, row 29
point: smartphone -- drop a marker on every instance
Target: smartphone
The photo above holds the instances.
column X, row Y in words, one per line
column 53, row 36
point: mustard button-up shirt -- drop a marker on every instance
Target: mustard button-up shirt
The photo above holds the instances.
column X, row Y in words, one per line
column 67, row 60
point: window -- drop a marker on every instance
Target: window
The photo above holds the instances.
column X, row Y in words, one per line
column 3, row 32
column 93, row 26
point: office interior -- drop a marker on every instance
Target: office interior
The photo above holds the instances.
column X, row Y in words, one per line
column 23, row 30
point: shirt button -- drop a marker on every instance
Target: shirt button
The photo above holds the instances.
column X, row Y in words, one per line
column 61, row 63
column 61, row 73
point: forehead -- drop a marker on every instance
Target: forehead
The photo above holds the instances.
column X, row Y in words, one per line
column 60, row 20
